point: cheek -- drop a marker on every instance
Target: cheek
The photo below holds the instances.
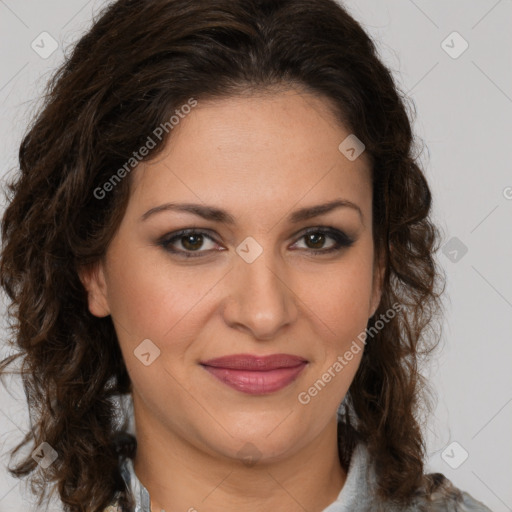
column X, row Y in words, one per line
column 165, row 304
column 340, row 298
column 151, row 298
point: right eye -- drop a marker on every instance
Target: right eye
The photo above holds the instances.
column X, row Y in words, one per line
column 191, row 240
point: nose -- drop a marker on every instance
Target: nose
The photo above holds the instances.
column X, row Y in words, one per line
column 260, row 301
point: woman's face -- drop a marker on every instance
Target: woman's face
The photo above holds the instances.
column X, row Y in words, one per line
column 254, row 283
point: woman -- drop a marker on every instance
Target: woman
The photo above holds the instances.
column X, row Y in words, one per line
column 219, row 216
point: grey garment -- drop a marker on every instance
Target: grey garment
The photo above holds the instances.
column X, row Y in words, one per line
column 139, row 492
column 356, row 495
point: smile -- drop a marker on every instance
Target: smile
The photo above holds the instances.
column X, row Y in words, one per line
column 256, row 375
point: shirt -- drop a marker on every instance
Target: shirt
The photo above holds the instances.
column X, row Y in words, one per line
column 356, row 495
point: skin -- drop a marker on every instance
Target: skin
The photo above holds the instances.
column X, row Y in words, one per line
column 259, row 157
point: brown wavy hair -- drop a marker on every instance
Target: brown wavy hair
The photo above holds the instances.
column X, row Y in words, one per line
column 140, row 61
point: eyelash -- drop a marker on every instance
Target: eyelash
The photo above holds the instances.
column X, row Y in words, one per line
column 342, row 240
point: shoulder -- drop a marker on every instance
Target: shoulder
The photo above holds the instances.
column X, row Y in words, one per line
column 435, row 494
column 439, row 494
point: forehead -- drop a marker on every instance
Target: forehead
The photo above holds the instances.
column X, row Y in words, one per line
column 272, row 148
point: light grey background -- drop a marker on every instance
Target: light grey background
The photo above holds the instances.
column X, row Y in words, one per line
column 464, row 116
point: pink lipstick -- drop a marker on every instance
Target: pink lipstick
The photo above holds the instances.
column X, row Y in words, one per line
column 256, row 375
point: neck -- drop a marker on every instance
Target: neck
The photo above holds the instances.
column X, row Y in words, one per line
column 181, row 476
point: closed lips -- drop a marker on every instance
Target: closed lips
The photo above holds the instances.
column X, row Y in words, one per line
column 256, row 375
column 250, row 362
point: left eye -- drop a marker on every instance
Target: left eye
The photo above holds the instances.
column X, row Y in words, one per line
column 317, row 236
column 192, row 241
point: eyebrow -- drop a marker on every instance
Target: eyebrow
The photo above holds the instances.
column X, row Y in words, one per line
column 222, row 216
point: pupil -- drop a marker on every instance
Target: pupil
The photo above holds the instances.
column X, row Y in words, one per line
column 319, row 239
column 190, row 245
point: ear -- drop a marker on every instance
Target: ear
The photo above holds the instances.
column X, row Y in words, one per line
column 93, row 279
column 378, row 278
